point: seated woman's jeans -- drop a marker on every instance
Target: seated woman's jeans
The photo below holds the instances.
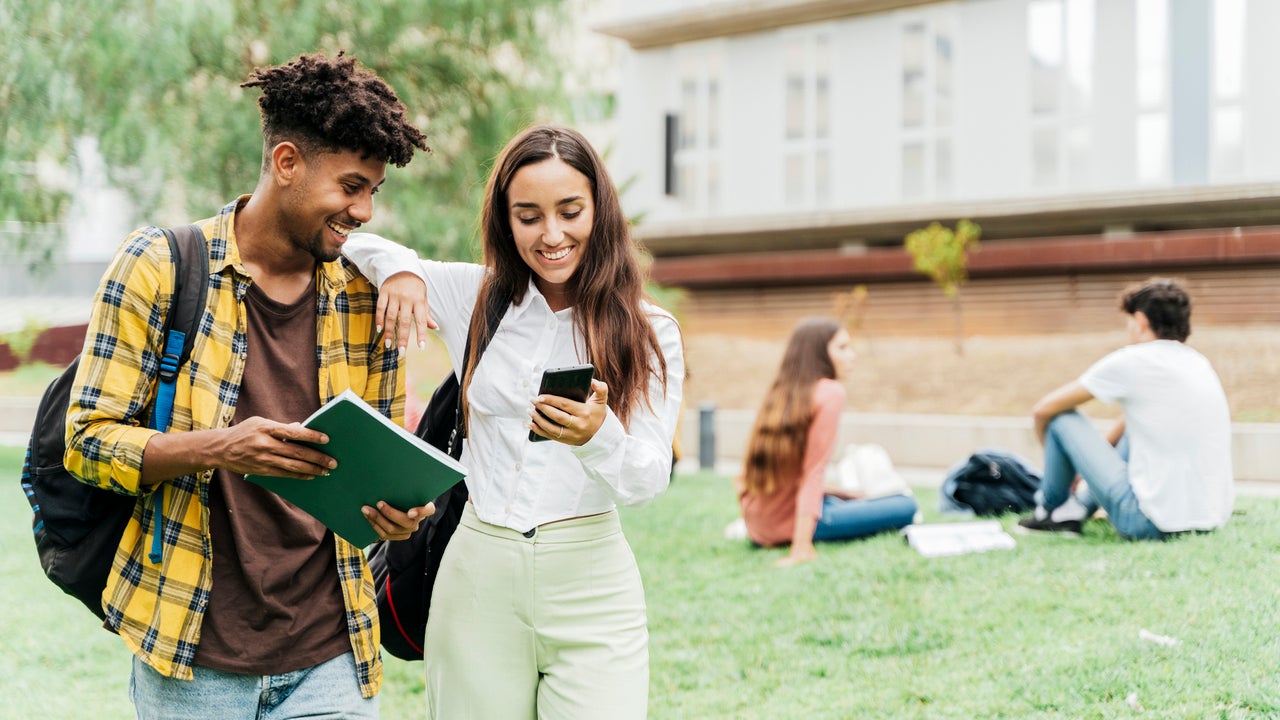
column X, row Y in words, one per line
column 1072, row 445
column 848, row 519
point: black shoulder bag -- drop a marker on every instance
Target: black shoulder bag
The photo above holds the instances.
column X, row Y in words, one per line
column 404, row 571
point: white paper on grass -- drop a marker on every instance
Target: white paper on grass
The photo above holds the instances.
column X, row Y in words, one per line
column 958, row 538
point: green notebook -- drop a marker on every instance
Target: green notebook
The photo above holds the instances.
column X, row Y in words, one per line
column 377, row 460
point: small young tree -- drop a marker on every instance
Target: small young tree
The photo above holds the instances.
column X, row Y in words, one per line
column 851, row 309
column 943, row 255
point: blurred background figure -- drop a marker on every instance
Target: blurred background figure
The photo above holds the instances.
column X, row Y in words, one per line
column 781, row 490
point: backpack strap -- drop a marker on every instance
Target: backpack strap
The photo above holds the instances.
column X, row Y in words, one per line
column 493, row 313
column 190, row 291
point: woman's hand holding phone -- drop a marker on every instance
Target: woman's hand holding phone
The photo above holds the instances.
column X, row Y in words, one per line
column 570, row 406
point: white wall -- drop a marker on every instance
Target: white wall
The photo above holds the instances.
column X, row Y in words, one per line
column 1262, row 92
column 993, row 147
column 865, row 150
column 1115, row 89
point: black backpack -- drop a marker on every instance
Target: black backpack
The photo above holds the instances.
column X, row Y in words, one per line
column 404, row 571
column 991, row 482
column 77, row 526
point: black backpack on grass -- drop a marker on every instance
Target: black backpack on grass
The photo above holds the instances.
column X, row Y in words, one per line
column 990, row 483
column 77, row 526
column 404, row 571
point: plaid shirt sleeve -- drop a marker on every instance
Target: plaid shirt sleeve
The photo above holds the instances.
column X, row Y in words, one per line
column 106, row 431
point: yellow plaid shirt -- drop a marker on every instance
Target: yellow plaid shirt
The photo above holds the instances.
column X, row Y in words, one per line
column 106, row 431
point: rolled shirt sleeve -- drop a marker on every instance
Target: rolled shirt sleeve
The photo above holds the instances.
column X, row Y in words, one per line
column 635, row 462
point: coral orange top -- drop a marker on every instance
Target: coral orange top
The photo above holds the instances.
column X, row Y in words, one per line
column 771, row 519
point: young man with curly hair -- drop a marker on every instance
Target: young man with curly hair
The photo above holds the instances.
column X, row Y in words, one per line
column 1165, row 467
column 254, row 605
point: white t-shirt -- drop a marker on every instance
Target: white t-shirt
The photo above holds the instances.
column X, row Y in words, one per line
column 1179, row 431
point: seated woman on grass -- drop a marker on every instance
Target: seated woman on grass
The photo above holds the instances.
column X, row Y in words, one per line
column 782, row 490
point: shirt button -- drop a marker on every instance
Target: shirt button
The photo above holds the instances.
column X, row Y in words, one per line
column 518, row 467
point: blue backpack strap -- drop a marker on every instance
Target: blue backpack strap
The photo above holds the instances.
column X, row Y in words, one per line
column 190, row 289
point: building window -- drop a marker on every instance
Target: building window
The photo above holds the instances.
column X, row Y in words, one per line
column 928, row 112
column 1060, row 41
column 1227, row 121
column 806, row 145
column 697, row 149
column 1153, row 129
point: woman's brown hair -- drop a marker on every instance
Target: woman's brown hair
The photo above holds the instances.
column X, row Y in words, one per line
column 607, row 287
column 775, row 450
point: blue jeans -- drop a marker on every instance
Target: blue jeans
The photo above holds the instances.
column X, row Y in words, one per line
column 329, row 690
column 848, row 519
column 1072, row 445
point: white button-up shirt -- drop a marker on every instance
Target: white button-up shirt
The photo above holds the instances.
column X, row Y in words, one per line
column 513, row 482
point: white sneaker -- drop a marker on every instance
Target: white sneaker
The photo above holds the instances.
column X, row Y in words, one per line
column 736, row 530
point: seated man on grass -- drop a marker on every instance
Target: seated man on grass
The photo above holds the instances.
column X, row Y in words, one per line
column 1166, row 465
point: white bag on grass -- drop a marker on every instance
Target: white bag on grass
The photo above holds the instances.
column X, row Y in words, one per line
column 867, row 469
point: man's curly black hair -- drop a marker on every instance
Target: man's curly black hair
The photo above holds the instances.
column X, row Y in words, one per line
column 334, row 104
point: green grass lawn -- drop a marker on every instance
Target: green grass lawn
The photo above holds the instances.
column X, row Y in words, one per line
column 871, row 629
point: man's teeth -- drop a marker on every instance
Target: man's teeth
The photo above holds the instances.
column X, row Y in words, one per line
column 557, row 254
column 343, row 231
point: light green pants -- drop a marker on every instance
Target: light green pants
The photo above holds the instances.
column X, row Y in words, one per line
column 551, row 626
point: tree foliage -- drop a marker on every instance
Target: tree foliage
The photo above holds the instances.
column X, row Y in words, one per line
column 158, row 84
column 943, row 255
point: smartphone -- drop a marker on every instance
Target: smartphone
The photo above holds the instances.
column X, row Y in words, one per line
column 573, row 382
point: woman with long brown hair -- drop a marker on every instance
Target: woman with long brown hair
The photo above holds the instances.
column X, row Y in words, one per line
column 538, row 608
column 782, row 490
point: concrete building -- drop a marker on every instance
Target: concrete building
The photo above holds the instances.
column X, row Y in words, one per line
column 779, row 150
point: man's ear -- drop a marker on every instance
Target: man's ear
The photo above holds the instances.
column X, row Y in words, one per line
column 287, row 163
column 1144, row 323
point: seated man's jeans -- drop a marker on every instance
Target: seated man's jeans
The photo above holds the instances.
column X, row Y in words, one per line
column 848, row 519
column 1072, row 445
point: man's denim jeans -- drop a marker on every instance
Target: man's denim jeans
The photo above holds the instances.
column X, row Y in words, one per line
column 1072, row 445
column 327, row 690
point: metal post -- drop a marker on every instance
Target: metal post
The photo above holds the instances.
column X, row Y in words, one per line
column 707, row 436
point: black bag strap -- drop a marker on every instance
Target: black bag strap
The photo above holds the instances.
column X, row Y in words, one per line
column 493, row 310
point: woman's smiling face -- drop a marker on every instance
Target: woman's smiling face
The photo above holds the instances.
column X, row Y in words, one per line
column 551, row 211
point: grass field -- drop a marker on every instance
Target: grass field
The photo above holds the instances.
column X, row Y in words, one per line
column 871, row 629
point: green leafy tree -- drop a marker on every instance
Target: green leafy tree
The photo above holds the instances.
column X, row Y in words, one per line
column 157, row 83
column 943, row 255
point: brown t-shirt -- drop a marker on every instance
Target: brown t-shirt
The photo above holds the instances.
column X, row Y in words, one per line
column 276, row 604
